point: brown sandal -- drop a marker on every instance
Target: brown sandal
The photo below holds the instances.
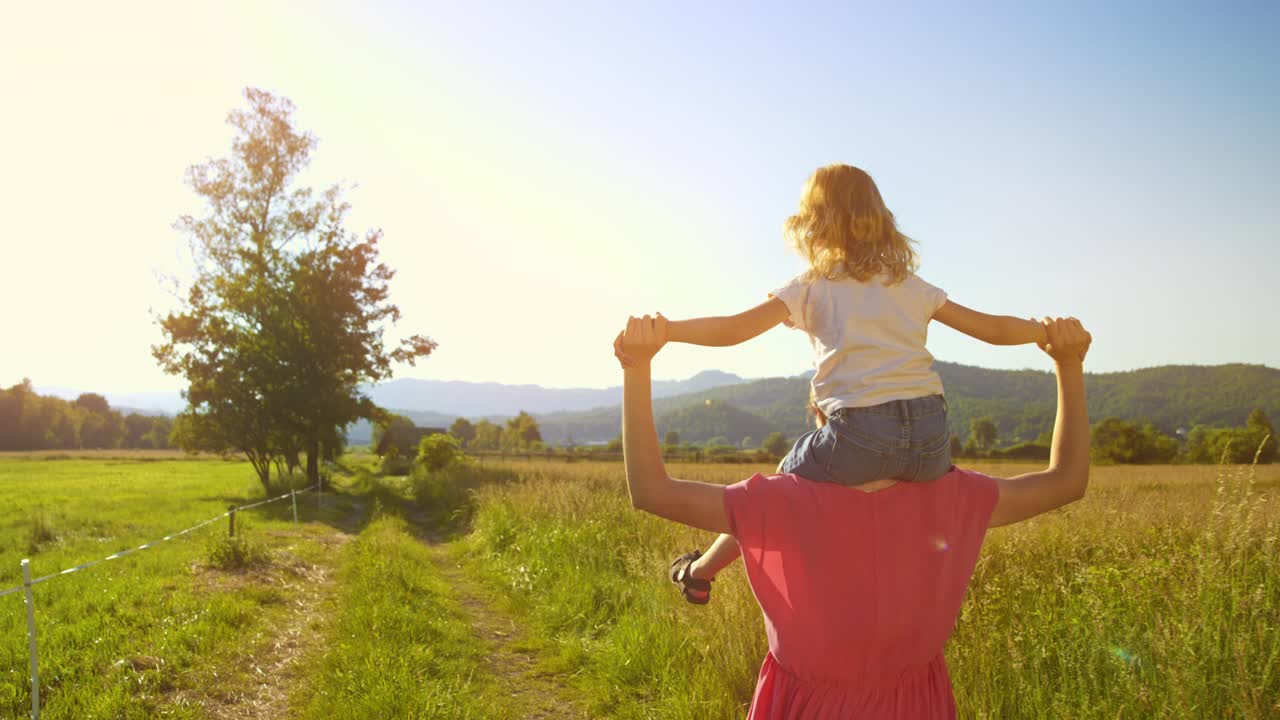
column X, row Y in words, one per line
column 679, row 574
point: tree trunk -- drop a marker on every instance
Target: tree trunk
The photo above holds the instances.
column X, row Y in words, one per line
column 262, row 466
column 313, row 462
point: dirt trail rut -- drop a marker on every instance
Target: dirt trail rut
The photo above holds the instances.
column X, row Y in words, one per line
column 533, row 694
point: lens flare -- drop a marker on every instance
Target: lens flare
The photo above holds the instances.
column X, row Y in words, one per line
column 1125, row 656
column 940, row 544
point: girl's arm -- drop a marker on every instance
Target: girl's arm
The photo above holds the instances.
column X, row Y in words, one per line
column 729, row 330
column 696, row 504
column 1067, row 476
column 994, row 329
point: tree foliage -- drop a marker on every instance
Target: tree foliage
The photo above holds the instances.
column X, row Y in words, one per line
column 1020, row 402
column 488, row 436
column 982, row 436
column 1233, row 445
column 521, row 433
column 29, row 421
column 283, row 321
column 463, row 430
column 776, row 444
column 384, row 424
column 436, row 452
column 707, row 421
column 1119, row 441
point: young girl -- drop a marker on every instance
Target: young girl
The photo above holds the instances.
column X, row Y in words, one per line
column 867, row 314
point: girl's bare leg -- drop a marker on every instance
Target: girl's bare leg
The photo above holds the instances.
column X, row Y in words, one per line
column 722, row 552
column 725, row 549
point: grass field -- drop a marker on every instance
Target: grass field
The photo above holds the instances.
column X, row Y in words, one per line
column 170, row 631
column 1156, row 596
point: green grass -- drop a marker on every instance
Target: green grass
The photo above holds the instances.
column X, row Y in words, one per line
column 126, row 638
column 563, row 549
column 1156, row 596
column 1146, row 601
column 397, row 645
column 178, row 630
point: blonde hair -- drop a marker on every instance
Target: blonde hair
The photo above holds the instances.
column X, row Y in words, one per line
column 819, row 417
column 844, row 229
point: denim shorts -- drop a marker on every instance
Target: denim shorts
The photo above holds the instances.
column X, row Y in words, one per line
column 899, row 440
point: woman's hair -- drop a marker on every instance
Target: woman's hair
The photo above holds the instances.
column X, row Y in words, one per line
column 844, row 230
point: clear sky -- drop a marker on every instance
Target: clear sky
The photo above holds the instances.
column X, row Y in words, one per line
column 541, row 170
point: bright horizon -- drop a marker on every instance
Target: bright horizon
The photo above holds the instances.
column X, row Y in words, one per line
column 541, row 174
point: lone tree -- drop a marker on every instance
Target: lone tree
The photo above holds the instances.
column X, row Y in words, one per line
column 982, row 435
column 284, row 318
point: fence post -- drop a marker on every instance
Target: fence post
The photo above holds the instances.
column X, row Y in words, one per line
column 232, row 514
column 31, row 640
column 293, row 495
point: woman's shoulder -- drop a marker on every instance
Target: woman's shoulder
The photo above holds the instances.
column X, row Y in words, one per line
column 972, row 489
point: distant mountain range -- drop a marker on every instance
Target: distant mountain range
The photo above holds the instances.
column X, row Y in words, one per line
column 469, row 398
column 1021, row 402
column 147, row 403
column 719, row 404
column 451, row 398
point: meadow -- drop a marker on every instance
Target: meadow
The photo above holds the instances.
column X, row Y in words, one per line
column 172, row 631
column 1158, row 595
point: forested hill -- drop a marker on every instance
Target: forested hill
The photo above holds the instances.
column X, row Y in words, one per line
column 1020, row 401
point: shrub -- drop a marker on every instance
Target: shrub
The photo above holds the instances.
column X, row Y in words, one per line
column 235, row 553
column 393, row 463
column 445, row 495
column 436, row 452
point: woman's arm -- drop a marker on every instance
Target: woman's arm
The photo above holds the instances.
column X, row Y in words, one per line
column 729, row 330
column 696, row 504
column 993, row 329
column 1067, row 476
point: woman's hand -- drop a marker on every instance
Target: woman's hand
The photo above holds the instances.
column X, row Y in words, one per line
column 1067, row 340
column 1067, row 477
column 640, row 340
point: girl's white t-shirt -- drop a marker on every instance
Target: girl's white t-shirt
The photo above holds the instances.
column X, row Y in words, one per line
column 868, row 338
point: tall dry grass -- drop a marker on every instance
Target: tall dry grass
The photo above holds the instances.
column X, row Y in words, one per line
column 1158, row 595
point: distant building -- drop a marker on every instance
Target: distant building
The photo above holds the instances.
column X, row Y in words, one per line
column 405, row 439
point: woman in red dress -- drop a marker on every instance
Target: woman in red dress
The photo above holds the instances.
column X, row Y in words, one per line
column 860, row 586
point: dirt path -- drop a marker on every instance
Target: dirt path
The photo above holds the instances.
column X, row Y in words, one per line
column 533, row 694
column 275, row 667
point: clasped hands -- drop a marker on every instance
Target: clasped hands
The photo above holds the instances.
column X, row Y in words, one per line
column 1066, row 340
column 640, row 340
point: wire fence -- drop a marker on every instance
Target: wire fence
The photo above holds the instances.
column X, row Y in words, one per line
column 28, row 582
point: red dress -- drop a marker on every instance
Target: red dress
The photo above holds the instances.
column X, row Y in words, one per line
column 860, row 590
